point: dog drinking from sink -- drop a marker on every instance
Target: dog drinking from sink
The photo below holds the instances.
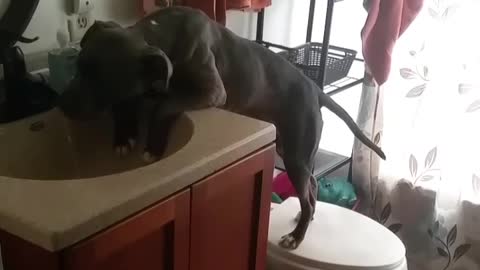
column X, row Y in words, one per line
column 182, row 60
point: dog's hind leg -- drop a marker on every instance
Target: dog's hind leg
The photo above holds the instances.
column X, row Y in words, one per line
column 300, row 139
column 313, row 190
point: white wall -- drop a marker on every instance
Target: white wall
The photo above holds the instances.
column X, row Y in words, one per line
column 50, row 16
column 242, row 23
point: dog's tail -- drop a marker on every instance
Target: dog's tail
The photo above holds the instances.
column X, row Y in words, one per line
column 329, row 103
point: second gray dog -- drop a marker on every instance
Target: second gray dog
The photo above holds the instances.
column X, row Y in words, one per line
column 186, row 61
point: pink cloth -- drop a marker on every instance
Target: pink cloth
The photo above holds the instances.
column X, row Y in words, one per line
column 386, row 22
column 283, row 186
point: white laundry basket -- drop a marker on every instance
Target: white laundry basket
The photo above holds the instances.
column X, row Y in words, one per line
column 337, row 239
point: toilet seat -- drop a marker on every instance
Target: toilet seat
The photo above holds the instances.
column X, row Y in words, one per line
column 337, row 239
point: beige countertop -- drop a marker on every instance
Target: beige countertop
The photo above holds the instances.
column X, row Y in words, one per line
column 57, row 214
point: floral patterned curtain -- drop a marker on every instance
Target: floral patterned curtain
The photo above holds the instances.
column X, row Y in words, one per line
column 426, row 117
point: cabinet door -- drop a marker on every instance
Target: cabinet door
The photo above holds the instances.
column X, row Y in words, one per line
column 156, row 238
column 230, row 213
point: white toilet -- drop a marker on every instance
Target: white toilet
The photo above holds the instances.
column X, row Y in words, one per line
column 337, row 239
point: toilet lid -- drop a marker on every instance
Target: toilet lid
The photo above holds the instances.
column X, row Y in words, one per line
column 337, row 238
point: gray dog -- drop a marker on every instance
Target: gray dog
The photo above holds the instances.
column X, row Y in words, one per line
column 207, row 66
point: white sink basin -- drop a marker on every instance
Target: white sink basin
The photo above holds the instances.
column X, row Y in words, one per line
column 50, row 147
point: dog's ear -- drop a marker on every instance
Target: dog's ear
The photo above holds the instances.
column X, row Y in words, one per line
column 97, row 26
column 156, row 69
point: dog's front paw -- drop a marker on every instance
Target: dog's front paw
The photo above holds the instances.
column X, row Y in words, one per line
column 288, row 242
column 149, row 157
column 126, row 148
column 218, row 100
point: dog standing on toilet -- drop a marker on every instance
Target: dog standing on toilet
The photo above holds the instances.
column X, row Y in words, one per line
column 185, row 61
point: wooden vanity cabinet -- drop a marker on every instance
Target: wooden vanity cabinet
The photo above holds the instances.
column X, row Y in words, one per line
column 230, row 215
column 155, row 239
column 220, row 222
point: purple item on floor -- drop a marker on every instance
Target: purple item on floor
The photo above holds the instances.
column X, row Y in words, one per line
column 283, row 187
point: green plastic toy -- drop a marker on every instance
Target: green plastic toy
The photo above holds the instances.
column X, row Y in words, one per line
column 336, row 190
column 276, row 198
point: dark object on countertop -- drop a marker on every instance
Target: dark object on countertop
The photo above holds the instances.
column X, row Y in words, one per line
column 21, row 93
column 15, row 21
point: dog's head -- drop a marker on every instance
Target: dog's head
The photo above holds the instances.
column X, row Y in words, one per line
column 113, row 65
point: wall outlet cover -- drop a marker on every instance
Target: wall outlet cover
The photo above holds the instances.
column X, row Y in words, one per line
column 78, row 25
column 82, row 6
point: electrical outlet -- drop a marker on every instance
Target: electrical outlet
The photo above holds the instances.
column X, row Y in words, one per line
column 78, row 24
